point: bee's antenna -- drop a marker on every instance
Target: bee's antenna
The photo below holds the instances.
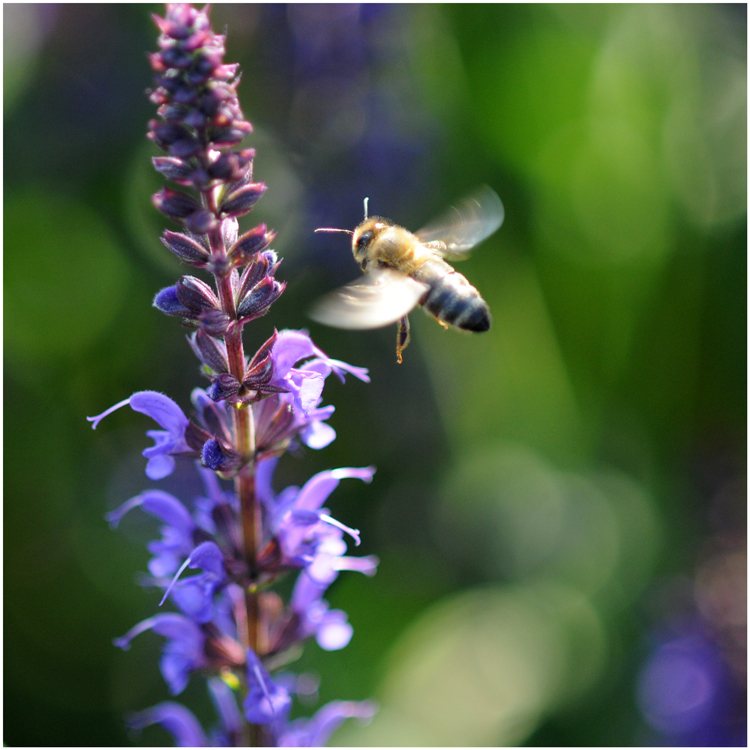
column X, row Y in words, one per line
column 331, row 229
column 367, row 200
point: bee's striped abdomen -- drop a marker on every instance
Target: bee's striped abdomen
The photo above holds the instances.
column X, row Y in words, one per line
column 451, row 298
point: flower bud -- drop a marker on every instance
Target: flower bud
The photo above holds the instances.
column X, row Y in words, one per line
column 215, row 322
column 185, row 248
column 175, row 57
column 157, row 62
column 200, row 179
column 240, row 201
column 175, row 138
column 198, row 76
column 219, row 265
column 167, row 302
column 230, row 135
column 210, row 351
column 224, row 117
column 220, row 457
column 173, row 112
column 195, row 118
column 182, row 93
column 180, row 22
column 252, row 275
column 226, row 71
column 185, row 147
column 223, row 387
column 164, row 134
column 260, row 369
column 175, row 204
column 232, row 166
column 196, row 437
column 250, row 244
column 201, row 221
column 260, row 298
column 196, row 295
column 174, row 169
column 210, row 416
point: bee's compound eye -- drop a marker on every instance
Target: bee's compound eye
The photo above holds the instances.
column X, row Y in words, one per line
column 364, row 239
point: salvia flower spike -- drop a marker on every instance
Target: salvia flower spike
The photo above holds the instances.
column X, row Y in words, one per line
column 220, row 554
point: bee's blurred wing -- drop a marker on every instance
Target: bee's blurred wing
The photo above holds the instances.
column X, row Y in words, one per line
column 465, row 225
column 372, row 301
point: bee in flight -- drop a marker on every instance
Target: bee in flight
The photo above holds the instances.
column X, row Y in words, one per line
column 403, row 270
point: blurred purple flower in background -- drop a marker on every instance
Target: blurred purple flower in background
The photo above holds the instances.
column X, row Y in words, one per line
column 692, row 688
column 687, row 696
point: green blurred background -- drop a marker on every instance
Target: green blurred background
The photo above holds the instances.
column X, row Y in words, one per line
column 559, row 506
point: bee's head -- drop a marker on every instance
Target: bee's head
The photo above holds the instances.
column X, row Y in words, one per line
column 364, row 235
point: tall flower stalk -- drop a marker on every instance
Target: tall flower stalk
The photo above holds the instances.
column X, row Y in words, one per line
column 231, row 626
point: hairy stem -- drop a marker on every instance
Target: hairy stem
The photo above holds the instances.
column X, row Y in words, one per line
column 244, row 483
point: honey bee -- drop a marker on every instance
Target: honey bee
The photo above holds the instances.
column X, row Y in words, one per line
column 403, row 270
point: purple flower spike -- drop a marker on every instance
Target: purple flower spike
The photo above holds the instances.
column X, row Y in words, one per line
column 183, row 651
column 176, row 719
column 242, row 539
column 266, row 702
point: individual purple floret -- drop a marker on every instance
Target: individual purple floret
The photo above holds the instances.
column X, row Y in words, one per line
column 315, row 732
column 195, row 596
column 168, row 442
column 183, row 652
column 176, row 719
column 330, row 627
column 218, row 556
column 269, row 703
column 266, row 702
column 178, row 532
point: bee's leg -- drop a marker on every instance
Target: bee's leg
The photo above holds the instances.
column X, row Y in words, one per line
column 402, row 337
column 445, row 325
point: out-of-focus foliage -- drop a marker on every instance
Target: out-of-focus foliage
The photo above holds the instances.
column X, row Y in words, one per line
column 559, row 504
